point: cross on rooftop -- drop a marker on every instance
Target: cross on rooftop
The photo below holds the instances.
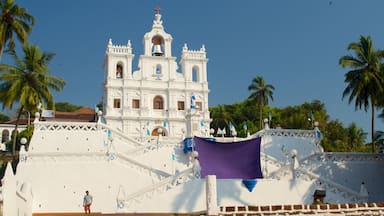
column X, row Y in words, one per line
column 157, row 9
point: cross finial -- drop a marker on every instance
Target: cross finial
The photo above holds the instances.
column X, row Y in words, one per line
column 157, row 9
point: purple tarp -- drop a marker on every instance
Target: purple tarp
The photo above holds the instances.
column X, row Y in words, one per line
column 240, row 160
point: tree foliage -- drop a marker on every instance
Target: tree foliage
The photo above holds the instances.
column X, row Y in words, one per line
column 261, row 92
column 14, row 21
column 336, row 137
column 66, row 107
column 4, row 118
column 365, row 80
column 28, row 83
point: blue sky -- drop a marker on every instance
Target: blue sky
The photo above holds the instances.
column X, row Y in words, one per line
column 295, row 45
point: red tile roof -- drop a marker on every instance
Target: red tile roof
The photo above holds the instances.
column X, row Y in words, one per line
column 83, row 114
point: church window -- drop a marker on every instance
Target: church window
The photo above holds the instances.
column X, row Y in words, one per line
column 180, row 105
column 195, row 74
column 119, row 71
column 158, row 69
column 199, row 106
column 135, row 103
column 116, row 103
column 158, row 103
column 4, row 136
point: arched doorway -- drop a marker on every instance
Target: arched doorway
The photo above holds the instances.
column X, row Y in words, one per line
column 155, row 132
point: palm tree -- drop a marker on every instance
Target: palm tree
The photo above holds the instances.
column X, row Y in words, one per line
column 365, row 80
column 28, row 83
column 379, row 139
column 261, row 92
column 14, row 20
column 355, row 137
column 220, row 116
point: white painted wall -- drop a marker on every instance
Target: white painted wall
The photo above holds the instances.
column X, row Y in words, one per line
column 145, row 84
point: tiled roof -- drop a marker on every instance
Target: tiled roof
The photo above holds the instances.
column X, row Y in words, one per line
column 83, row 114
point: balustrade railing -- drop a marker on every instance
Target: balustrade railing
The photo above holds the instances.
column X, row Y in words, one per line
column 68, row 126
column 140, row 166
column 285, row 133
column 344, row 156
column 324, row 183
column 85, row 126
column 160, row 187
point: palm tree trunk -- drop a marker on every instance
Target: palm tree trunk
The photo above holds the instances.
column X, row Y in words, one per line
column 261, row 115
column 15, row 134
column 1, row 53
column 373, row 126
column 2, row 45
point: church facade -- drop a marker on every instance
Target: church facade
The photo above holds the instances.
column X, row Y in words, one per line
column 158, row 98
column 275, row 171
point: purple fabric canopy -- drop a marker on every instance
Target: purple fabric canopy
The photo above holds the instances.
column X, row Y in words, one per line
column 235, row 160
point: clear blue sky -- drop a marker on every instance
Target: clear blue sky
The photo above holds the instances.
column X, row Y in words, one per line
column 294, row 44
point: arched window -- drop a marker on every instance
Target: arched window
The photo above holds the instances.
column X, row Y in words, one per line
column 156, row 131
column 4, row 136
column 158, row 103
column 119, row 71
column 195, row 74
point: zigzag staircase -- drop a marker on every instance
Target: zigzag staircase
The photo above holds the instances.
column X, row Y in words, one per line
column 165, row 180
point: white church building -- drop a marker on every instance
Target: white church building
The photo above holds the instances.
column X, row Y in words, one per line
column 159, row 94
column 152, row 151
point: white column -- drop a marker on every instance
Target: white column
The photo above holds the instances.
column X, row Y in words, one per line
column 211, row 195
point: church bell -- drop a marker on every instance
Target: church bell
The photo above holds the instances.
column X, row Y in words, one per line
column 157, row 50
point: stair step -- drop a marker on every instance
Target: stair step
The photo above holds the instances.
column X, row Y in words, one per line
column 116, row 214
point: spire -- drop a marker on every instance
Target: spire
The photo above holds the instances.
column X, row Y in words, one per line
column 157, row 22
column 157, row 9
column 9, row 170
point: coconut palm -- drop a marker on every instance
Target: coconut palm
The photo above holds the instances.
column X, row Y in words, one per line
column 28, row 82
column 14, row 20
column 261, row 92
column 221, row 116
column 379, row 140
column 365, row 80
column 355, row 137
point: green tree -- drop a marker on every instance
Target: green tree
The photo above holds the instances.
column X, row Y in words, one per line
column 28, row 83
column 355, row 138
column 221, row 117
column 66, row 107
column 14, row 20
column 379, row 139
column 4, row 118
column 261, row 93
column 365, row 79
column 100, row 106
column 335, row 136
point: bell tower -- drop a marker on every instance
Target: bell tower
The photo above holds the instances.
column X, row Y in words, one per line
column 157, row 42
column 156, row 98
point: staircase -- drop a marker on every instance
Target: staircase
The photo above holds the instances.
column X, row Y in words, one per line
column 115, row 214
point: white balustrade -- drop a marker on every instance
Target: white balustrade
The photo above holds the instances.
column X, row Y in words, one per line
column 160, row 187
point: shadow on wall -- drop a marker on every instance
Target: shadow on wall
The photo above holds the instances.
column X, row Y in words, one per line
column 351, row 169
column 188, row 199
column 229, row 190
